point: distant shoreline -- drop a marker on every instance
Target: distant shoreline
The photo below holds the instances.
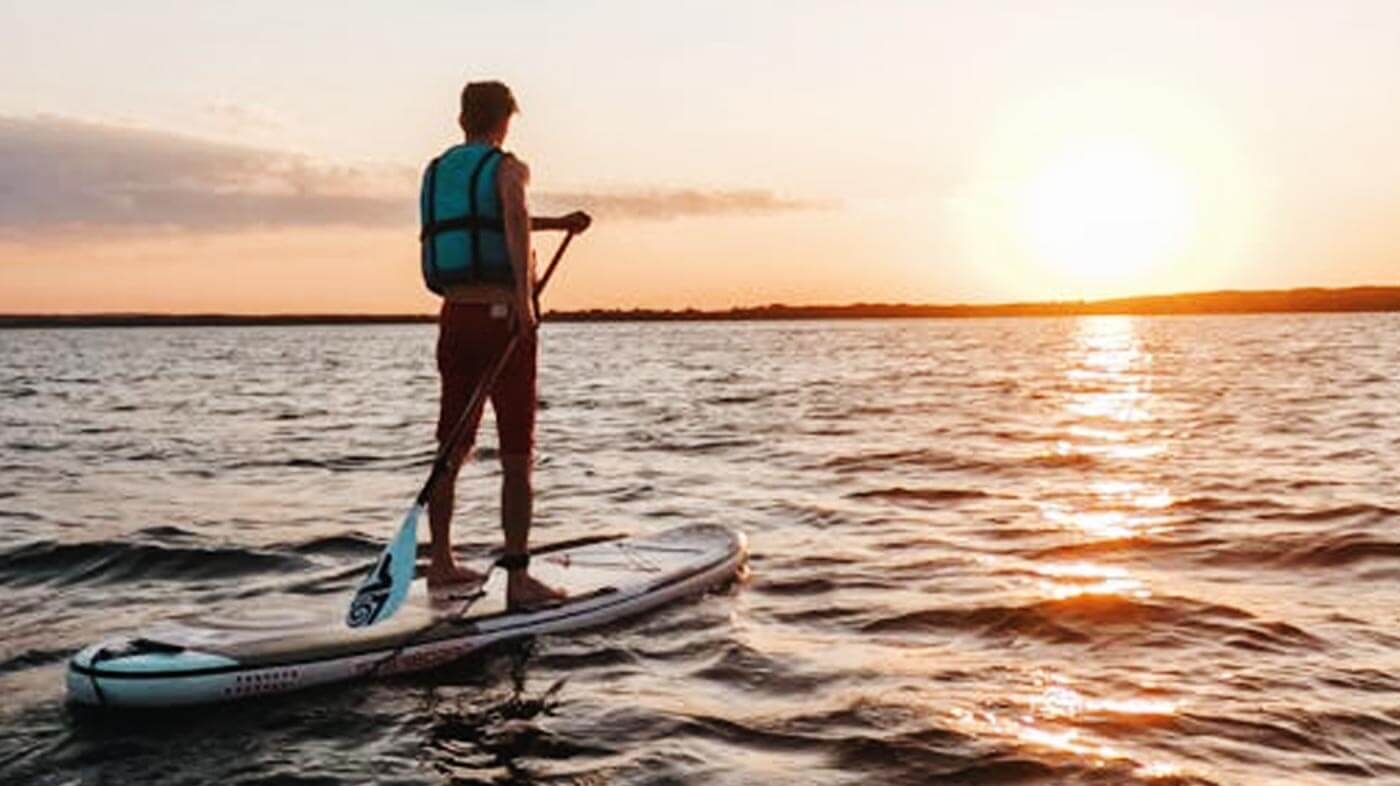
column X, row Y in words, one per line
column 1307, row 300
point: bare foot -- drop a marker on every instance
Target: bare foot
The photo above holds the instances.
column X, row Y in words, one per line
column 525, row 591
column 452, row 579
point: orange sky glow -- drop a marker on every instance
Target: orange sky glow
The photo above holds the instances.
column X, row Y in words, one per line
column 202, row 159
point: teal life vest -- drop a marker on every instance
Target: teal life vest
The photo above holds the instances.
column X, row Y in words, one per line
column 463, row 235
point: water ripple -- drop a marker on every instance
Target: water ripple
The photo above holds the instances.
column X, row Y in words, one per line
column 1039, row 551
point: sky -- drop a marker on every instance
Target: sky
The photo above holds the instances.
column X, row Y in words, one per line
column 264, row 157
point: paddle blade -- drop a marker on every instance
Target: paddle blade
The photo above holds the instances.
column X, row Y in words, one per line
column 384, row 589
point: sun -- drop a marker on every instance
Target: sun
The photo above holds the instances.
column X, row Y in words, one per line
column 1105, row 210
column 1107, row 189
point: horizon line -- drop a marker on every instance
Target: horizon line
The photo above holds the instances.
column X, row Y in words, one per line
column 1361, row 298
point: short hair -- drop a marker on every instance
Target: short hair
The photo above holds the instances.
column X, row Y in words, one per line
column 485, row 105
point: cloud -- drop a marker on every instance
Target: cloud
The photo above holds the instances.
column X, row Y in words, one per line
column 60, row 175
column 57, row 173
column 678, row 203
column 241, row 118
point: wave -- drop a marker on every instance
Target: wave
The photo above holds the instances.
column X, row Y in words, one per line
column 31, row 658
column 1297, row 550
column 924, row 495
column 707, row 445
column 739, row 665
column 1286, row 550
column 878, row 743
column 334, row 464
column 1059, row 460
column 354, row 546
column 1360, row 511
column 1208, row 547
column 107, row 562
column 328, row 581
column 822, row 615
column 25, row 446
column 1336, row 741
column 166, row 532
column 599, row 656
column 1100, row 619
column 1205, row 503
column 741, row 398
column 301, row 414
column 805, row 585
column 921, row 458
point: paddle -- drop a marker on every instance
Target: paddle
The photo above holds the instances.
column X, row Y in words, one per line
column 384, row 589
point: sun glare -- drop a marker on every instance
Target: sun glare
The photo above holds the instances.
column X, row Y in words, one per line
column 1105, row 211
column 1107, row 189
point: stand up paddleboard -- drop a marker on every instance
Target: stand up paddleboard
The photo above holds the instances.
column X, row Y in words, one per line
column 262, row 650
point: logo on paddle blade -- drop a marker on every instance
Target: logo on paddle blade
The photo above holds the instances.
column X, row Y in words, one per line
column 372, row 594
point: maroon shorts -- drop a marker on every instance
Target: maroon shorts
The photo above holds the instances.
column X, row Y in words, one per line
column 470, row 339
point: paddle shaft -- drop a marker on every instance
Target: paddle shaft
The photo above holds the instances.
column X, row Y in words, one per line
column 449, row 447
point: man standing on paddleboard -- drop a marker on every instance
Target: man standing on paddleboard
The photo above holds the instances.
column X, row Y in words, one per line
column 477, row 256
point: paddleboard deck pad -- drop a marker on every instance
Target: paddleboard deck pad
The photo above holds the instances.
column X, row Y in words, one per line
column 217, row 656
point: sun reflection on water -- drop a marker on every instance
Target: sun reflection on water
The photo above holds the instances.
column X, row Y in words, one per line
column 1063, row 581
column 1106, row 417
column 1046, row 721
column 1093, row 524
column 1137, row 494
column 1060, row 701
column 1108, row 414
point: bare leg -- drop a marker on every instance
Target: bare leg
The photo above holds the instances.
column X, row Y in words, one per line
column 517, row 505
column 442, row 568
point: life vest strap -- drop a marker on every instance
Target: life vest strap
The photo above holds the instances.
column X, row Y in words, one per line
column 431, row 218
column 472, row 223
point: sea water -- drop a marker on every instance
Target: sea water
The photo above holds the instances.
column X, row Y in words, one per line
column 1074, row 550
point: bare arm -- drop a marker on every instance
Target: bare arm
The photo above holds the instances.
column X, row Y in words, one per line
column 576, row 221
column 512, row 179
